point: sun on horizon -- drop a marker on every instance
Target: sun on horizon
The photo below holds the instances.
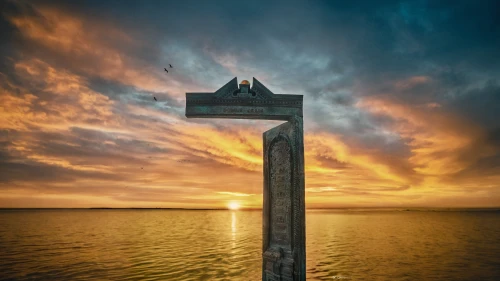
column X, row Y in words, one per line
column 233, row 205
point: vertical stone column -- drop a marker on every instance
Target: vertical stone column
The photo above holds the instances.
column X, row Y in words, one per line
column 283, row 242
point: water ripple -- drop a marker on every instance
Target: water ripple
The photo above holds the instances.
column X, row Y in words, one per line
column 223, row 245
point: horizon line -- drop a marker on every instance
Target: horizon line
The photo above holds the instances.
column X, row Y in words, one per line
column 243, row 209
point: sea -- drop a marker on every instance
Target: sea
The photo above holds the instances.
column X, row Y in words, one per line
column 161, row 244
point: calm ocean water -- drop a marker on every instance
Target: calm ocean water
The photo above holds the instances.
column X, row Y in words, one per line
column 226, row 245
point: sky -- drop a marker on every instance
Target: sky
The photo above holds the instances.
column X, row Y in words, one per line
column 401, row 101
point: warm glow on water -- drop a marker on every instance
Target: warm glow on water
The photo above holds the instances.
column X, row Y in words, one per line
column 226, row 245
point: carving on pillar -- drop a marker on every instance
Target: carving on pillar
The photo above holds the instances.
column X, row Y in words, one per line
column 277, row 256
column 280, row 166
column 283, row 228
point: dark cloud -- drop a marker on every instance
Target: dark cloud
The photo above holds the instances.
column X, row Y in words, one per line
column 360, row 41
column 82, row 148
column 129, row 95
column 482, row 105
column 29, row 171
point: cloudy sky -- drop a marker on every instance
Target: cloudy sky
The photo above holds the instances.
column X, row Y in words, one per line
column 401, row 101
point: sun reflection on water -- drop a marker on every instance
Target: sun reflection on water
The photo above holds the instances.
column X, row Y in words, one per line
column 233, row 229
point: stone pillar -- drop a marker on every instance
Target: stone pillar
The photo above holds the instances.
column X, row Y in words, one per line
column 283, row 229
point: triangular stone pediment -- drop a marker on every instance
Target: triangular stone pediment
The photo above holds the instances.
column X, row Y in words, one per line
column 227, row 90
column 261, row 90
column 231, row 91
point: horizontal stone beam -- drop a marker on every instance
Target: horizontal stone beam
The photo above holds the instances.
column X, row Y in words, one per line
column 242, row 111
column 243, row 103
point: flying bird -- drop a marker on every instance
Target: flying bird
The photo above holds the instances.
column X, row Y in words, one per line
column 171, row 66
column 166, row 70
column 155, row 98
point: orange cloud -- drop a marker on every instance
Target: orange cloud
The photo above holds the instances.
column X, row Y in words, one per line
column 331, row 146
column 64, row 101
column 441, row 143
column 94, row 46
column 411, row 82
column 433, row 105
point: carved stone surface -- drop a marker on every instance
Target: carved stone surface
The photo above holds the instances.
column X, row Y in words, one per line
column 284, row 208
column 283, row 222
column 280, row 192
column 243, row 103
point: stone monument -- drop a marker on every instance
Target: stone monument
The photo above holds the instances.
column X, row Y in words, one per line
column 283, row 227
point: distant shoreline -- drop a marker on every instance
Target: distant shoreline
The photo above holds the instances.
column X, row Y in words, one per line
column 355, row 209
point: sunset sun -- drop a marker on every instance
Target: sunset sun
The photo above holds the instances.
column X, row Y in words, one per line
column 233, row 206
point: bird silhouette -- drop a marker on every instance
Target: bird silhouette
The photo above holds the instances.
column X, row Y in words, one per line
column 171, row 66
column 166, row 70
column 155, row 98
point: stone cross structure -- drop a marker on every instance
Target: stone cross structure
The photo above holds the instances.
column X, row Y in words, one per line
column 283, row 221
